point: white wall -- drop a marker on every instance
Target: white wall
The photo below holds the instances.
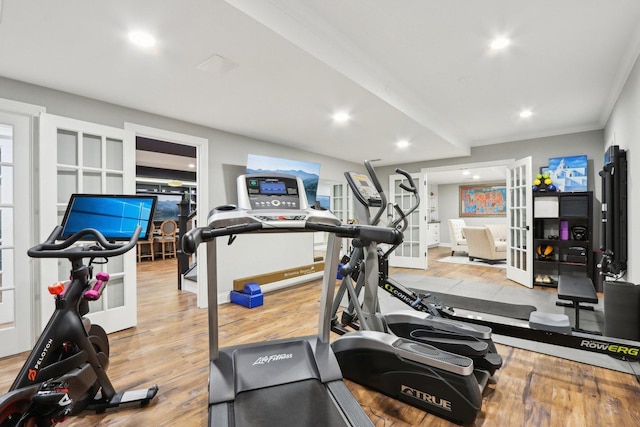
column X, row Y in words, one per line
column 540, row 149
column 227, row 156
column 449, row 207
column 623, row 129
column 224, row 148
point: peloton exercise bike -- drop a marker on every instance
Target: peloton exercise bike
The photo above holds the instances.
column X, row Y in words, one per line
column 65, row 372
column 428, row 327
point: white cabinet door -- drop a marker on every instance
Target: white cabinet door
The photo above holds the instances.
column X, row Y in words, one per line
column 82, row 157
column 433, row 234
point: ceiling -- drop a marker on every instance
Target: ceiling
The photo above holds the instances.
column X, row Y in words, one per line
column 276, row 70
column 468, row 175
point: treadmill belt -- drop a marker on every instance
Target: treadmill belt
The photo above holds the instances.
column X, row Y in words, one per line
column 303, row 403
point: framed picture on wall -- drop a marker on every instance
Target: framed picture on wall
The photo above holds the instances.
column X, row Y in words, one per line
column 309, row 172
column 483, row 200
column 569, row 173
column 167, row 207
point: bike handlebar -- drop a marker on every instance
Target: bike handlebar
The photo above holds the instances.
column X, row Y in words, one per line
column 50, row 249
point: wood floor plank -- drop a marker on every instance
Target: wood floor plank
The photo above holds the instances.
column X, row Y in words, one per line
column 170, row 347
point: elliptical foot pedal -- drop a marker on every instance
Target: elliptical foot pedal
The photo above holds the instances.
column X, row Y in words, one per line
column 482, row 377
column 551, row 322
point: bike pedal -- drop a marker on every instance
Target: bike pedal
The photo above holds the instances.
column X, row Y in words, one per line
column 52, row 398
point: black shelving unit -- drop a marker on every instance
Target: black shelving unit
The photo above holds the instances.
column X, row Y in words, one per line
column 562, row 236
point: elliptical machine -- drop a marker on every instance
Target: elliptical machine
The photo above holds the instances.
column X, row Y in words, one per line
column 66, row 372
column 425, row 325
column 401, row 367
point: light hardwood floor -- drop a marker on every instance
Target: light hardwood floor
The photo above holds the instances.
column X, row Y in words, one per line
column 170, row 347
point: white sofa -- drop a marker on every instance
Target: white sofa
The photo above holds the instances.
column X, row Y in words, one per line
column 482, row 245
column 458, row 242
column 499, row 231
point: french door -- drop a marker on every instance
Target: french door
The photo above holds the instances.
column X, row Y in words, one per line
column 15, row 276
column 520, row 240
column 412, row 253
column 82, row 157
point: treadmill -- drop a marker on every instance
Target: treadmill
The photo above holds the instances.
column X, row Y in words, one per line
column 293, row 381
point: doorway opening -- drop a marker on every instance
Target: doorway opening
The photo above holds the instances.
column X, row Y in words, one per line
column 174, row 166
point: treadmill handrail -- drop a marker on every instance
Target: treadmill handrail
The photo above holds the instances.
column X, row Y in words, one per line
column 192, row 239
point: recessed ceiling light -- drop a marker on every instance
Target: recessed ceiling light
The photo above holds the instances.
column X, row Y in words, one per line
column 191, row 165
column 142, row 39
column 403, row 143
column 476, row 176
column 466, row 172
column 526, row 113
column 500, row 43
column 341, row 117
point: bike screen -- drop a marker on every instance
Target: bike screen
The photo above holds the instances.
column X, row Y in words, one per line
column 115, row 216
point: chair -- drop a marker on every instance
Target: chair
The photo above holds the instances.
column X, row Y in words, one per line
column 168, row 238
column 148, row 242
column 458, row 242
column 483, row 246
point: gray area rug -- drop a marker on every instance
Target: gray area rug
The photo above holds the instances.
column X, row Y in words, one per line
column 542, row 300
column 463, row 259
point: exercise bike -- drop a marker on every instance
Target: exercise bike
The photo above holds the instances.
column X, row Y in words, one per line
column 66, row 372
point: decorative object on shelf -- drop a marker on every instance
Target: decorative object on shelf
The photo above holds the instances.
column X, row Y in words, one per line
column 564, row 230
column 579, row 232
column 546, row 279
column 483, row 200
column 545, row 252
column 543, row 182
column 569, row 174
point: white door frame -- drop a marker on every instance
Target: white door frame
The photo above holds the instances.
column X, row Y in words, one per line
column 202, row 182
column 490, row 164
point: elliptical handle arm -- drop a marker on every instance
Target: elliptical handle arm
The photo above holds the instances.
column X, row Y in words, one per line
column 374, row 177
column 50, row 249
column 412, row 189
column 412, row 186
column 402, row 218
column 376, row 183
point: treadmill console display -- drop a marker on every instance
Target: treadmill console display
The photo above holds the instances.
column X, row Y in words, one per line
column 273, row 192
column 269, row 188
